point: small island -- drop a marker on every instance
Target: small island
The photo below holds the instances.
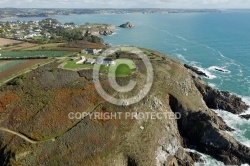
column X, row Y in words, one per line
column 127, row 25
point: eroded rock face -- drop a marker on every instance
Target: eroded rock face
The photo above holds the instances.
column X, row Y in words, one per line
column 216, row 99
column 206, row 131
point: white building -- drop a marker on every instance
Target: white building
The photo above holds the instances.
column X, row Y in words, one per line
column 105, row 61
column 91, row 51
column 90, row 61
column 82, row 60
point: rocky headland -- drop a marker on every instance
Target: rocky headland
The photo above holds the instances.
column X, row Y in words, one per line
column 38, row 109
column 100, row 29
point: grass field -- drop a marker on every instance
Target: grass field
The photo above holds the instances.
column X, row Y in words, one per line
column 123, row 67
column 19, row 54
column 43, row 46
column 72, row 65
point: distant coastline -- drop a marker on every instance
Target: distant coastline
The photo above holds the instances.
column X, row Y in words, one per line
column 22, row 12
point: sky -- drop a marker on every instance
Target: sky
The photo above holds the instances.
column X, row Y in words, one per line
column 219, row 4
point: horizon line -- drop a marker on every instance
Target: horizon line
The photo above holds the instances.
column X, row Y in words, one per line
column 124, row 8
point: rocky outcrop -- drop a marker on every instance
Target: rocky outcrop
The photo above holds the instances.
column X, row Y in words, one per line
column 203, row 131
column 100, row 30
column 127, row 25
column 245, row 116
column 224, row 100
column 221, row 70
column 196, row 157
column 196, row 70
column 106, row 32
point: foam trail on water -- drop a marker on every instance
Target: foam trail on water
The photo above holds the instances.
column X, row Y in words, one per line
column 181, row 57
column 208, row 160
column 210, row 75
column 184, row 60
column 220, row 68
column 240, row 125
column 214, row 50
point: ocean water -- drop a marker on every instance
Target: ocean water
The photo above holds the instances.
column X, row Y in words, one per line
column 205, row 40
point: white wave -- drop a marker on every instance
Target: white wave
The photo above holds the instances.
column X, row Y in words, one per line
column 114, row 33
column 210, row 75
column 208, row 160
column 212, row 85
column 247, row 101
column 181, row 57
column 216, row 68
column 194, row 63
column 212, row 49
column 182, row 38
column 240, row 125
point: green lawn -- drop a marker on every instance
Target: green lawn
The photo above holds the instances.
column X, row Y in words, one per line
column 123, row 67
column 72, row 65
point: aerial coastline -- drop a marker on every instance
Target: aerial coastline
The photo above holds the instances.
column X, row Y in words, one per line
column 46, row 71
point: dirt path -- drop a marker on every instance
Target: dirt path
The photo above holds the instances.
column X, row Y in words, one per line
column 32, row 141
column 24, row 136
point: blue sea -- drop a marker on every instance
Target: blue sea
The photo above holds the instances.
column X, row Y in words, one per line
column 205, row 40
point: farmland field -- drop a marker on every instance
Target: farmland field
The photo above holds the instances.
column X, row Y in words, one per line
column 7, row 41
column 5, row 65
column 19, row 46
column 42, row 46
column 24, row 54
column 19, row 68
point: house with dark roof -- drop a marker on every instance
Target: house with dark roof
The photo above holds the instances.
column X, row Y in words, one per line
column 105, row 61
